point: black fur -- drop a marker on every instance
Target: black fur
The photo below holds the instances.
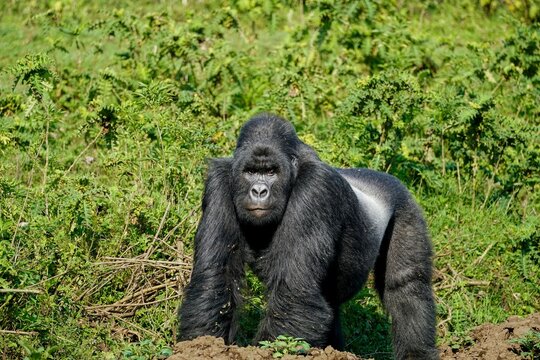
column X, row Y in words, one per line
column 311, row 240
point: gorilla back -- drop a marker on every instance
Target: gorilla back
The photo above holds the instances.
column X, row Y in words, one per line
column 311, row 233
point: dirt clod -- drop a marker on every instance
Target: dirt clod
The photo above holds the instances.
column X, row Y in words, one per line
column 208, row 347
column 491, row 342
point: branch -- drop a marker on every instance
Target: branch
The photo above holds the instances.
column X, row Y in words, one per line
column 26, row 291
column 18, row 332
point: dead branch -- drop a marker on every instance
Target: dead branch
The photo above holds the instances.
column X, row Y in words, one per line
column 18, row 332
column 463, row 283
column 141, row 304
column 25, row 291
column 141, row 261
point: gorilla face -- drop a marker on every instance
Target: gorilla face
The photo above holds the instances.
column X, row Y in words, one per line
column 264, row 178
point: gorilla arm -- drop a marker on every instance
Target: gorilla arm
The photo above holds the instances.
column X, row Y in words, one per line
column 299, row 259
column 213, row 294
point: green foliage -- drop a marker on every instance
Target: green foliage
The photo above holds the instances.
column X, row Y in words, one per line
column 146, row 350
column 108, row 114
column 378, row 115
column 252, row 311
column 529, row 345
column 33, row 70
column 286, row 345
column 366, row 327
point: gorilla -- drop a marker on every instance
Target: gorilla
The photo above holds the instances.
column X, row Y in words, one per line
column 311, row 233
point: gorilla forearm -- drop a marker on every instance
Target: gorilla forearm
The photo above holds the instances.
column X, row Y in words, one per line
column 207, row 307
column 211, row 298
column 302, row 315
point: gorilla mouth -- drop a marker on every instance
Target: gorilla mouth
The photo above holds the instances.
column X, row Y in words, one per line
column 259, row 212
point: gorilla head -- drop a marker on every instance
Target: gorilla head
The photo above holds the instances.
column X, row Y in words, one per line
column 265, row 170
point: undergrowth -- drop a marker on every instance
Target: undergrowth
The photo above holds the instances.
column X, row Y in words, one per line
column 286, row 345
column 108, row 114
column 529, row 345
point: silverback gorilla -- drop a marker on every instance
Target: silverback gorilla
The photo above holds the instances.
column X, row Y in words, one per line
column 311, row 233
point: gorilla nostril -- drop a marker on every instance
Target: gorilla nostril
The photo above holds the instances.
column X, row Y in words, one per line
column 259, row 192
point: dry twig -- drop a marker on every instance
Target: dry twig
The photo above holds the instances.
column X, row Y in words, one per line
column 24, row 291
column 18, row 332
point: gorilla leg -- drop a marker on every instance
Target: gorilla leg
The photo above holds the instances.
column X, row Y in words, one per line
column 336, row 335
column 403, row 280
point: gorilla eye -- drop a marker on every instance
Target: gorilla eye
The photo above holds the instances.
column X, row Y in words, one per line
column 271, row 172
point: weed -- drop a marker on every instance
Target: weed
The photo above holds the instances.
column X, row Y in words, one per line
column 286, row 345
column 529, row 345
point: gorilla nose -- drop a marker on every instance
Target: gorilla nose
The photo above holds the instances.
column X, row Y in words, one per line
column 259, row 192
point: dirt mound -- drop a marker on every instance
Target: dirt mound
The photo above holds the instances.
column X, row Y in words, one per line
column 492, row 341
column 208, row 347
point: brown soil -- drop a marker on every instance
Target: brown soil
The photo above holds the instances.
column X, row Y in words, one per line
column 207, row 347
column 489, row 342
column 492, row 341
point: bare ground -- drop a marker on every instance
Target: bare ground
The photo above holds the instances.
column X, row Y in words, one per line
column 489, row 342
column 492, row 341
column 207, row 347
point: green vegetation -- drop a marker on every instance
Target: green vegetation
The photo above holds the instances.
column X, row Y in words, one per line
column 286, row 345
column 109, row 112
column 529, row 345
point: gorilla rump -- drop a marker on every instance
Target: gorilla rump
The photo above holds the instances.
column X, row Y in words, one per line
column 311, row 233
